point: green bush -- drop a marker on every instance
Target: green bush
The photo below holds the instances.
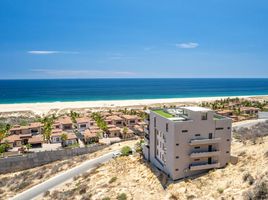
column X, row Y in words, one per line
column 106, row 198
column 220, row 190
column 126, row 150
column 112, row 179
column 122, row 196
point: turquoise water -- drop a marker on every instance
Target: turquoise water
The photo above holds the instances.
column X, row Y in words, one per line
column 22, row 91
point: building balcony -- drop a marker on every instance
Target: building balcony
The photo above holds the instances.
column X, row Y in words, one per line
column 146, row 130
column 204, row 154
column 146, row 120
column 204, row 166
column 205, row 141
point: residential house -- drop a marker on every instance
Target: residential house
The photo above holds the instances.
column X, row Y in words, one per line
column 115, row 120
column 249, row 110
column 130, row 120
column 91, row 136
column 83, row 123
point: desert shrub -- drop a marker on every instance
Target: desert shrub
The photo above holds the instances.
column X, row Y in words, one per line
column 86, row 197
column 46, row 193
column 121, row 196
column 266, row 154
column 83, row 189
column 173, row 197
column 126, row 150
column 23, row 184
column 220, row 190
column 248, row 177
column 3, row 181
column 112, row 179
column 106, row 198
column 260, row 191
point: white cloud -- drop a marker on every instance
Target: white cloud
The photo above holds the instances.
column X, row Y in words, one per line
column 82, row 73
column 189, row 45
column 44, row 52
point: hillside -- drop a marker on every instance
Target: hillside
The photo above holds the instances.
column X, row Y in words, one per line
column 133, row 177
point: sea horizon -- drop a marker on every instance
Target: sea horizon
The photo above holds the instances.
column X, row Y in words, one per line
column 106, row 89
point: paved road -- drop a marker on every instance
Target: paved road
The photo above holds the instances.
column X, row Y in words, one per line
column 56, row 180
column 248, row 123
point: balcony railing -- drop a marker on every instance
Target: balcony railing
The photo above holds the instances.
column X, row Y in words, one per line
column 146, row 130
column 205, row 141
column 205, row 154
column 195, row 167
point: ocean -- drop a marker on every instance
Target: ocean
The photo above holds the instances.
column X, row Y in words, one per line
column 63, row 90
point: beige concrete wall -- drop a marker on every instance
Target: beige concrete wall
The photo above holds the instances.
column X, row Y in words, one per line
column 178, row 157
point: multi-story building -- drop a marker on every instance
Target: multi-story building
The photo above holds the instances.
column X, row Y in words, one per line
column 187, row 141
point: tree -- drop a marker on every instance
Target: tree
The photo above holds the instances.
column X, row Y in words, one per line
column 125, row 131
column 48, row 122
column 63, row 138
column 28, row 146
column 126, row 150
column 74, row 115
column 138, row 146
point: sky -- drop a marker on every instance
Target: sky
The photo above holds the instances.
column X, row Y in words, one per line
column 133, row 39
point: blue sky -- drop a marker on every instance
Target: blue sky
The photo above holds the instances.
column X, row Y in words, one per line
column 133, row 38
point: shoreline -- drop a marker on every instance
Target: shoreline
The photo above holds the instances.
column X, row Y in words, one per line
column 43, row 108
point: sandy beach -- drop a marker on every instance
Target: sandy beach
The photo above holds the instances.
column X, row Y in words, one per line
column 43, row 108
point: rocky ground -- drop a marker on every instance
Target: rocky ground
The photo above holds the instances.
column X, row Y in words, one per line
column 132, row 178
column 14, row 183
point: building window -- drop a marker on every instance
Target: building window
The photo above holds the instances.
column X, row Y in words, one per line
column 228, row 128
column 228, row 140
column 219, row 128
column 227, row 151
column 197, row 147
column 177, row 144
column 157, row 152
column 204, row 116
column 154, row 121
column 177, row 169
column 166, row 127
column 177, row 157
column 184, row 131
column 196, row 159
column 197, row 135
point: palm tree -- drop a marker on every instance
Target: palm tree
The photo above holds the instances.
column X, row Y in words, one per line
column 63, row 138
column 47, row 121
column 74, row 115
column 125, row 130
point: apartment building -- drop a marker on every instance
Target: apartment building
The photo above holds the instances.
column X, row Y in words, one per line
column 187, row 141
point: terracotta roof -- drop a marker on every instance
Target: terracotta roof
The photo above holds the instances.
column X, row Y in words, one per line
column 64, row 120
column 225, row 111
column 35, row 125
column 18, row 127
column 56, row 131
column 12, row 138
column 248, row 108
column 56, row 134
column 138, row 128
column 114, row 129
column 36, row 139
column 141, row 123
column 130, row 117
column 129, row 131
column 71, row 136
column 83, row 120
column 114, row 117
column 25, row 135
column 90, row 134
column 94, row 128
